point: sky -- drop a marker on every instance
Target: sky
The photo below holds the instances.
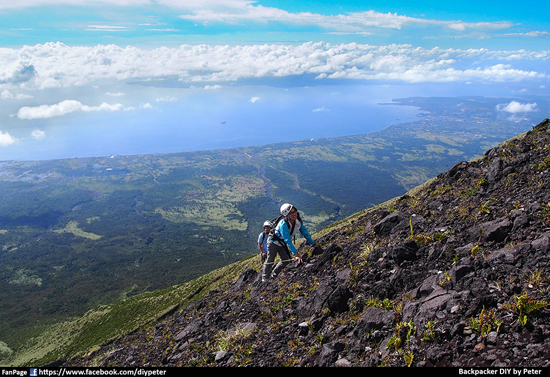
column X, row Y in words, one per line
column 91, row 78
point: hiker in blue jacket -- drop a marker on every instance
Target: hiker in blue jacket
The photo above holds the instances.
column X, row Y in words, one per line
column 280, row 241
column 262, row 240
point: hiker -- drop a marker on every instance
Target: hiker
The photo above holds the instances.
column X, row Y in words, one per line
column 280, row 241
column 262, row 240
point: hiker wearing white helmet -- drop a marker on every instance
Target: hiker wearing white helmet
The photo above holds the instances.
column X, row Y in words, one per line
column 262, row 240
column 280, row 241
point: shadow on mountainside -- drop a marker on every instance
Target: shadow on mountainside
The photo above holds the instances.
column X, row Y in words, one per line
column 455, row 274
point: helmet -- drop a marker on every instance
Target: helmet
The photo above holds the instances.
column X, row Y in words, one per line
column 286, row 208
column 267, row 223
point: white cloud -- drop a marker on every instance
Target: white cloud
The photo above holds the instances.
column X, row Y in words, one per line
column 166, row 99
column 164, row 30
column 109, row 28
column 7, row 4
column 319, row 110
column 254, row 99
column 15, row 71
column 236, row 12
column 59, row 65
column 515, row 107
column 62, row 108
column 240, row 11
column 6, row 94
column 6, row 139
column 38, row 134
column 531, row 34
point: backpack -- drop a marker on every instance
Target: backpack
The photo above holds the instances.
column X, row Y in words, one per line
column 273, row 227
column 273, row 223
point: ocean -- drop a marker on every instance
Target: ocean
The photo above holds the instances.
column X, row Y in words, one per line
column 176, row 119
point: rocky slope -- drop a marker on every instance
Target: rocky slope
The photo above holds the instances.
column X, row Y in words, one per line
column 455, row 274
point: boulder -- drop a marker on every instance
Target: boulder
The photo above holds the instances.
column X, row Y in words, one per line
column 338, row 300
column 373, row 319
column 385, row 226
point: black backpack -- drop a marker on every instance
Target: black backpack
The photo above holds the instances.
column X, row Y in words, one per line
column 273, row 223
column 273, row 227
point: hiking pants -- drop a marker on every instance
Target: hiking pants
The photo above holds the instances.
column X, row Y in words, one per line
column 272, row 251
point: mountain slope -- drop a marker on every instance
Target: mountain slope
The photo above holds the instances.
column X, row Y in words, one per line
column 79, row 233
column 455, row 274
column 106, row 323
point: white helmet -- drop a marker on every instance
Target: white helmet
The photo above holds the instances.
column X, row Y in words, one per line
column 286, row 208
column 267, row 223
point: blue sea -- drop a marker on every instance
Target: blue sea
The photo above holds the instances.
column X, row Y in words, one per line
column 217, row 119
column 191, row 119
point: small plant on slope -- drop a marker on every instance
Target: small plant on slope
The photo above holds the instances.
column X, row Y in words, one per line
column 524, row 305
column 484, row 323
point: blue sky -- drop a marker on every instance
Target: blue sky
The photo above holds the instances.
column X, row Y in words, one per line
column 118, row 76
column 148, row 22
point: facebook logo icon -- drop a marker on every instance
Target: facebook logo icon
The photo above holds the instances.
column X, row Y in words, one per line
column 33, row 372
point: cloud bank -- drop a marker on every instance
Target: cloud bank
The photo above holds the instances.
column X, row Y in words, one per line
column 58, row 65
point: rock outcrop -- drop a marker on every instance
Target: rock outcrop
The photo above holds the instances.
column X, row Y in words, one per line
column 455, row 274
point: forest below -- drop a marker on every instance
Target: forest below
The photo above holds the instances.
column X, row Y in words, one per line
column 77, row 233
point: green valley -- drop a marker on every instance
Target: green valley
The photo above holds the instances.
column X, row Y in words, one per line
column 84, row 232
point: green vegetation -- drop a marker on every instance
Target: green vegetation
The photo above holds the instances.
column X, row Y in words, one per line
column 524, row 305
column 430, row 334
column 401, row 339
column 87, row 233
column 108, row 322
column 485, row 322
